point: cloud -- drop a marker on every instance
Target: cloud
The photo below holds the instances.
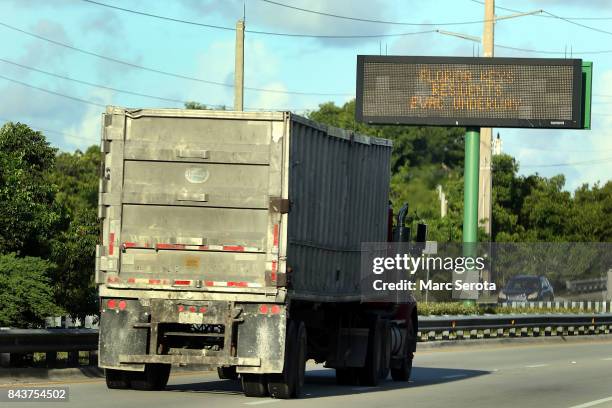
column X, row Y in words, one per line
column 37, row 51
column 262, row 69
column 102, row 21
column 263, row 16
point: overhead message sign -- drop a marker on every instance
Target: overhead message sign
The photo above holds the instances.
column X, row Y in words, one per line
column 452, row 91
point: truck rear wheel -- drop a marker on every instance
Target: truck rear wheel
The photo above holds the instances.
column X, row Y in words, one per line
column 254, row 385
column 402, row 373
column 301, row 355
column 370, row 373
column 117, row 379
column 227, row 373
column 283, row 385
column 154, row 378
column 385, row 355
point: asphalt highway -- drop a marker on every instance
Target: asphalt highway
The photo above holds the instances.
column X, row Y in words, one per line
column 573, row 374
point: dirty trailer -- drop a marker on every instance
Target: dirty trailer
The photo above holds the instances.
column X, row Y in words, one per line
column 231, row 240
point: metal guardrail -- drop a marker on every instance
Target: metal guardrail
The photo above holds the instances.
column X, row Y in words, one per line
column 47, row 340
column 587, row 285
column 486, row 326
column 17, row 344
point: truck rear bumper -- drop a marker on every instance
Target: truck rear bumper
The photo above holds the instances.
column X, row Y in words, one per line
column 190, row 359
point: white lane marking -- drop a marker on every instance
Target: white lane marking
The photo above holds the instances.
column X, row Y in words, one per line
column 269, row 401
column 592, row 403
column 607, row 359
column 536, row 365
column 455, row 376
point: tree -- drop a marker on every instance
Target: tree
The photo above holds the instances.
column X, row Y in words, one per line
column 201, row 106
column 26, row 296
column 29, row 213
column 73, row 249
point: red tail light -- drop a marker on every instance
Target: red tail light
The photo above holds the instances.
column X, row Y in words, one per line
column 111, row 304
column 275, row 309
column 122, row 304
column 263, row 309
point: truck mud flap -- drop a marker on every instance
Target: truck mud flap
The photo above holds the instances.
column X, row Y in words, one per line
column 262, row 335
column 119, row 332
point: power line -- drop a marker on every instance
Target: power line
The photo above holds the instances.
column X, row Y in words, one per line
column 335, row 36
column 104, row 106
column 569, row 18
column 366, row 20
column 580, row 163
column 53, row 92
column 92, row 84
column 507, row 47
column 272, row 33
column 159, row 71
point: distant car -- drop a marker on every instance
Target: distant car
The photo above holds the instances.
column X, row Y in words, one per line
column 524, row 288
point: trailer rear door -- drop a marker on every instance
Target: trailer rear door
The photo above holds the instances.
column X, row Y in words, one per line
column 186, row 199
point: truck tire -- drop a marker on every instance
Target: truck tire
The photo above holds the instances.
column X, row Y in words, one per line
column 402, row 373
column 301, row 355
column 117, row 379
column 370, row 373
column 283, row 385
column 347, row 376
column 254, row 385
column 385, row 362
column 154, row 378
column 227, row 373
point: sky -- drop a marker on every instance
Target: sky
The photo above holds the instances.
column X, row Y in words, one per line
column 297, row 72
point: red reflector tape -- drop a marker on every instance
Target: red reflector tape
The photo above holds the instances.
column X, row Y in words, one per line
column 237, row 248
column 169, row 246
column 182, row 282
column 129, row 244
column 154, row 281
column 131, row 280
column 209, row 283
column 275, row 235
column 238, row 284
column 273, row 271
column 111, row 243
column 112, row 279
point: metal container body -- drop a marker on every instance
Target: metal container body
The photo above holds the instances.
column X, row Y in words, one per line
column 339, row 194
column 219, row 204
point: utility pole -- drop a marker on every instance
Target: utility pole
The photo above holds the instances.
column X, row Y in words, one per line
column 239, row 68
column 485, row 182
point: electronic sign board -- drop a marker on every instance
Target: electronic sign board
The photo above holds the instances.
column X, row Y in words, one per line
column 460, row 91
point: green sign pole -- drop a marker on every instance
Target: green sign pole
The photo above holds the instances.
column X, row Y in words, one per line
column 470, row 186
column 470, row 208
